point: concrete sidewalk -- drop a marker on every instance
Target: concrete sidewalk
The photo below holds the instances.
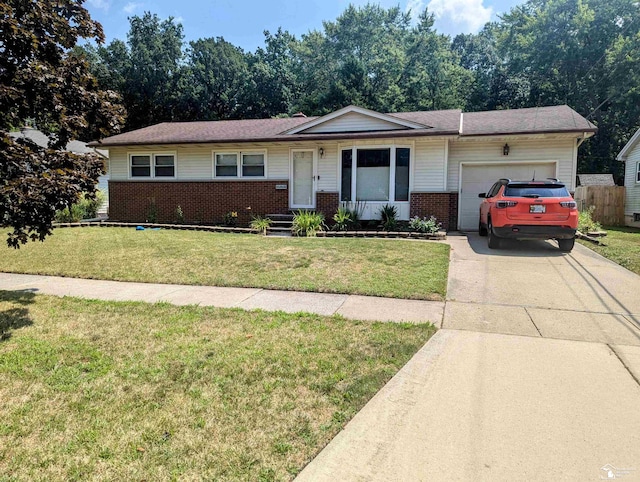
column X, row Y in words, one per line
column 483, row 406
column 349, row 306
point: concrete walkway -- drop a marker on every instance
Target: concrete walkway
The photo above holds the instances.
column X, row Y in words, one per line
column 349, row 306
column 534, row 376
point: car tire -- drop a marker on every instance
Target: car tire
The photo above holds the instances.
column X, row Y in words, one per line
column 482, row 231
column 566, row 245
column 493, row 241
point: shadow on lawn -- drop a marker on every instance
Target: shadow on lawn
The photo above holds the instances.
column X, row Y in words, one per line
column 16, row 316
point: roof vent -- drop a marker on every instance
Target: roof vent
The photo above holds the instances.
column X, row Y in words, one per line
column 299, row 114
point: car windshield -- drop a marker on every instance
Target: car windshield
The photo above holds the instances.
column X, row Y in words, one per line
column 527, row 190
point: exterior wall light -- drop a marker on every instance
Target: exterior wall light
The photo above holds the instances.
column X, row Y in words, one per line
column 321, row 151
column 505, row 150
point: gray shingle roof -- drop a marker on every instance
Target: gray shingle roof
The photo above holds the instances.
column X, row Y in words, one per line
column 444, row 122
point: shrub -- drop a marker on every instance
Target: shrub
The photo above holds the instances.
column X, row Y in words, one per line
column 85, row 208
column 586, row 223
column 389, row 217
column 343, row 219
column 231, row 218
column 425, row 225
column 152, row 212
column 261, row 224
column 307, row 223
column 179, row 215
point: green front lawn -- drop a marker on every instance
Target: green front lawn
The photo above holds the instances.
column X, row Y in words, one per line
column 622, row 246
column 130, row 391
column 379, row 267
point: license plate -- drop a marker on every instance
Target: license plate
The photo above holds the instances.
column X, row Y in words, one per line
column 537, row 208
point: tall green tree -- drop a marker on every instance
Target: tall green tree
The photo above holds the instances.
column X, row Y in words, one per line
column 215, row 81
column 43, row 80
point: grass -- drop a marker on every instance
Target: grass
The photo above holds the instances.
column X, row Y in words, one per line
column 622, row 246
column 393, row 268
column 96, row 390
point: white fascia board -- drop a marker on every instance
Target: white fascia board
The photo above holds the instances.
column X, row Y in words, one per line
column 628, row 146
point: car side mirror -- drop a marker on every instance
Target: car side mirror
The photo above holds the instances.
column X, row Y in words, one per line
column 482, row 194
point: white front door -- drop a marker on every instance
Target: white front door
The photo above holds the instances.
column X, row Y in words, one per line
column 302, row 179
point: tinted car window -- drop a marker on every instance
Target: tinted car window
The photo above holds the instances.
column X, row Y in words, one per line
column 494, row 190
column 523, row 190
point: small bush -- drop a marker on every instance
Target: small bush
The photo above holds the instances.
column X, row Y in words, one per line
column 179, row 215
column 307, row 223
column 261, row 224
column 425, row 225
column 586, row 223
column 85, row 208
column 343, row 219
column 152, row 212
column 230, row 219
column 389, row 217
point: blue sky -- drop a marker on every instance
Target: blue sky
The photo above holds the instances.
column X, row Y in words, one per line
column 242, row 22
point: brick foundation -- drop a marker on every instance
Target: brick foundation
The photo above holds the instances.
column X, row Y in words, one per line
column 442, row 205
column 201, row 201
column 327, row 203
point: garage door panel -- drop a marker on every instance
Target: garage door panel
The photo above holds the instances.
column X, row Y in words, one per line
column 479, row 179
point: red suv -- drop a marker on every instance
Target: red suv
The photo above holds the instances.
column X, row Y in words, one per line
column 528, row 209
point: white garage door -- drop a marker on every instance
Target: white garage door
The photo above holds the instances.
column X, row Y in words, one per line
column 480, row 178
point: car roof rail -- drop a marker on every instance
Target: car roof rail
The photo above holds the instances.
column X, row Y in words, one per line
column 504, row 179
column 553, row 179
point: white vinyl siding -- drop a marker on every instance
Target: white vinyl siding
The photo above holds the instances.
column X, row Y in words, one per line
column 632, row 187
column 328, row 169
column 560, row 150
column 353, row 122
column 429, row 165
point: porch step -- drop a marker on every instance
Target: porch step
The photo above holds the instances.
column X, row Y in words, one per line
column 279, row 217
column 280, row 228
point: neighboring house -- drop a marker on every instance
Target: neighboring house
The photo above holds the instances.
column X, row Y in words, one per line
column 424, row 163
column 630, row 154
column 77, row 147
column 596, row 180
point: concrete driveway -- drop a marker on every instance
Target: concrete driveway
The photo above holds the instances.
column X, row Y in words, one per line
column 534, row 376
column 531, row 288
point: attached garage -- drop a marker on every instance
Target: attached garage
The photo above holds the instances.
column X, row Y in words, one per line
column 478, row 177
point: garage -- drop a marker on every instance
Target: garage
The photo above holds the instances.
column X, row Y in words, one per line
column 479, row 177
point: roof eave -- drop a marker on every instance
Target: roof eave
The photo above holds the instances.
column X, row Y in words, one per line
column 293, row 138
column 622, row 156
column 591, row 131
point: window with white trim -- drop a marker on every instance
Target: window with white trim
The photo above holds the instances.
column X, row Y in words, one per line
column 379, row 174
column 638, row 172
column 240, row 164
column 152, row 165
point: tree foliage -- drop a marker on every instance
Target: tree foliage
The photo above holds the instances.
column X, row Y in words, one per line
column 44, row 80
column 584, row 53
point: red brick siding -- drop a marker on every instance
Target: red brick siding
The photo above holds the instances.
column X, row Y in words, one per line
column 327, row 203
column 442, row 205
column 201, row 201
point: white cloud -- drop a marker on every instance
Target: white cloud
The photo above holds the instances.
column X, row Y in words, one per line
column 130, row 7
column 469, row 15
column 178, row 19
column 102, row 4
column 416, row 7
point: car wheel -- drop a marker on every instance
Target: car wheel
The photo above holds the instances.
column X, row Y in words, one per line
column 566, row 244
column 493, row 241
column 482, row 231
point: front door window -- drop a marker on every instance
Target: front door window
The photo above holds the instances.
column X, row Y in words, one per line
column 302, row 166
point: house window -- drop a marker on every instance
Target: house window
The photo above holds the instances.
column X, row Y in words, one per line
column 141, row 165
column 402, row 174
column 252, row 164
column 152, row 165
column 347, row 162
column 638, row 172
column 227, row 165
column 372, row 174
column 636, row 217
column 380, row 174
column 164, row 165
column 240, row 164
